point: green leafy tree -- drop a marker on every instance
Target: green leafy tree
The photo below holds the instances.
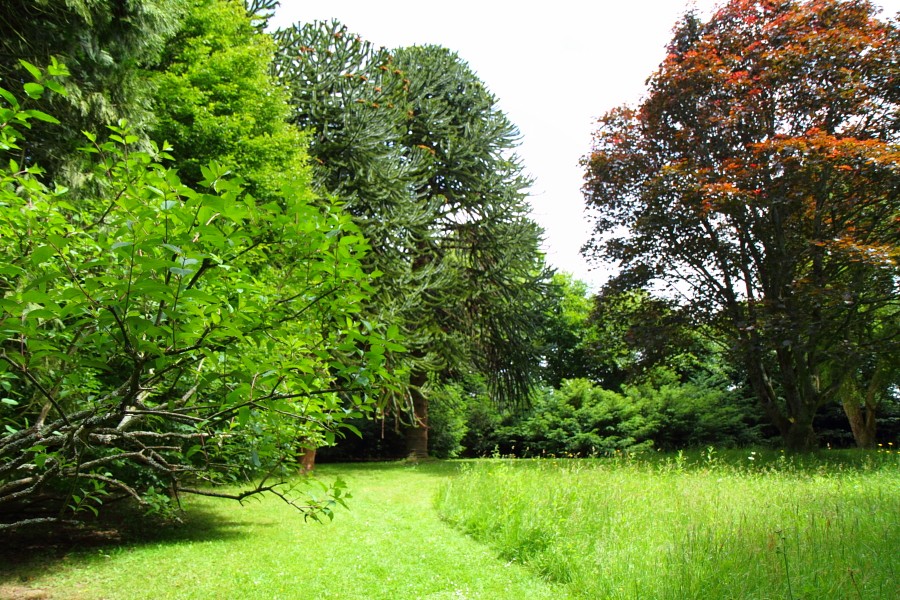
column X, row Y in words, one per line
column 207, row 101
column 156, row 336
column 215, row 99
column 565, row 350
column 870, row 380
column 759, row 180
column 630, row 334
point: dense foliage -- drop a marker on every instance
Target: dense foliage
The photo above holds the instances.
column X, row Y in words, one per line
column 102, row 42
column 207, row 103
column 759, row 180
column 415, row 145
column 158, row 335
column 580, row 419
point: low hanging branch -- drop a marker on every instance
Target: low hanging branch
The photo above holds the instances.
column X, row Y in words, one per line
column 146, row 362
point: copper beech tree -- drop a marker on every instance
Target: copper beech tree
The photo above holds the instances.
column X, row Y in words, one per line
column 760, row 181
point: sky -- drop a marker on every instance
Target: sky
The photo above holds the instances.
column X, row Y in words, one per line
column 555, row 67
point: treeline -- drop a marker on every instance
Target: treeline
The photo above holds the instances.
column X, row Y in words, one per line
column 224, row 249
column 748, row 206
column 221, row 246
column 620, row 372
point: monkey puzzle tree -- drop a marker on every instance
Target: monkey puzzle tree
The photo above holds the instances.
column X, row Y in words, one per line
column 416, row 146
column 759, row 180
column 485, row 239
column 348, row 96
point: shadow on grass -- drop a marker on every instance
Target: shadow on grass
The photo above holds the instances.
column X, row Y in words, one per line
column 428, row 467
column 28, row 553
column 755, row 458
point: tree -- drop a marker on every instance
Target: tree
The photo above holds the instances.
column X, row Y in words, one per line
column 759, row 181
column 416, row 147
column 564, row 351
column 103, row 44
column 155, row 335
column 488, row 315
column 208, row 101
column 348, row 95
column 870, row 380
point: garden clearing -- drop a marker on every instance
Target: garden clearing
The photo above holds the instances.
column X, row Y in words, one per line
column 736, row 524
column 391, row 544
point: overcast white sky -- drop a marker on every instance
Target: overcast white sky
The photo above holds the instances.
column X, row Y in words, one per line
column 555, row 67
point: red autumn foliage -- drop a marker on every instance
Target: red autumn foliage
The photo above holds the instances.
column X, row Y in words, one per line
column 761, row 175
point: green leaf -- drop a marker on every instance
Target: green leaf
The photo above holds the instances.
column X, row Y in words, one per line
column 35, row 72
column 9, row 98
column 42, row 116
column 34, row 90
column 55, row 87
column 243, row 415
column 42, row 254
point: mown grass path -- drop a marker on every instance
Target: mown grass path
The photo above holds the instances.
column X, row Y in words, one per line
column 391, row 544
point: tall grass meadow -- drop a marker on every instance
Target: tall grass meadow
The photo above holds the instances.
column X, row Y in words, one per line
column 751, row 524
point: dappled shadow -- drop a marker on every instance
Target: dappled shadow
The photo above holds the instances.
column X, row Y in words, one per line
column 428, row 467
column 25, row 554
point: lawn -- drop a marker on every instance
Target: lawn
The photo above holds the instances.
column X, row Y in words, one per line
column 703, row 525
column 391, row 544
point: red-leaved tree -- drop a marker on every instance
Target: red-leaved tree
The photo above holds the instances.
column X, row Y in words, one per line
column 760, row 180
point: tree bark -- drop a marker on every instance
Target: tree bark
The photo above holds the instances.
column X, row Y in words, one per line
column 800, row 436
column 793, row 421
column 308, row 460
column 862, row 410
column 862, row 422
column 417, row 432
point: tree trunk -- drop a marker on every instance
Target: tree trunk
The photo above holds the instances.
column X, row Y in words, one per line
column 417, row 432
column 862, row 422
column 800, row 436
column 862, row 411
column 793, row 421
column 308, row 460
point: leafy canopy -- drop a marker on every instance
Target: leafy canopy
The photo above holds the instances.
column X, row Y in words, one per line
column 156, row 335
column 759, row 181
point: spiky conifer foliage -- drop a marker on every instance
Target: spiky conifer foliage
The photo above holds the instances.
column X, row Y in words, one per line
column 415, row 145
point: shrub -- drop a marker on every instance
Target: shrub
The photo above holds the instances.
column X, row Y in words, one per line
column 580, row 419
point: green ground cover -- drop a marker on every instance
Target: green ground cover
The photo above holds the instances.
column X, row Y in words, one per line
column 678, row 526
column 748, row 525
column 391, row 544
